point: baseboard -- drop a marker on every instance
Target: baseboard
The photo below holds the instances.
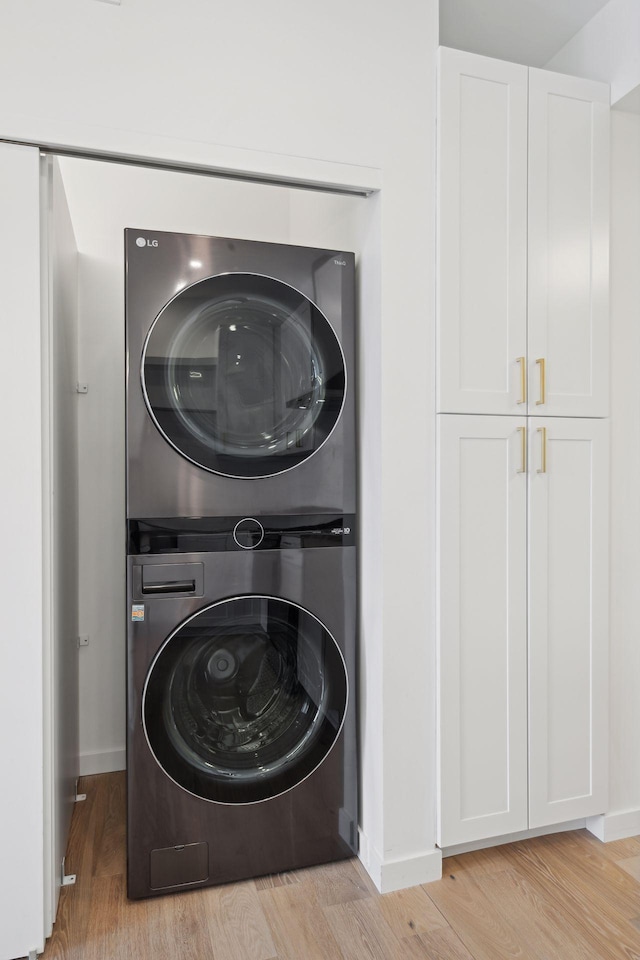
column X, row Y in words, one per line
column 390, row 875
column 104, row 761
column 458, row 848
column 615, row 826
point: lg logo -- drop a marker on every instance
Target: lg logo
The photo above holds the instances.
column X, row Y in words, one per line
column 141, row 242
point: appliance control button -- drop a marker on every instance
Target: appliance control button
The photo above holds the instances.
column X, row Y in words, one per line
column 248, row 533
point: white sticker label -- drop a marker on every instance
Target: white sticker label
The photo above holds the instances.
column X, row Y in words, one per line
column 137, row 611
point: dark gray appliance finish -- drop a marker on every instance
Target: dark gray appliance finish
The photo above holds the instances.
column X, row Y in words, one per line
column 189, row 410
column 271, row 806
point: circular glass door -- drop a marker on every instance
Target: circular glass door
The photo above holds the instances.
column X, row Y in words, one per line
column 243, row 375
column 245, row 699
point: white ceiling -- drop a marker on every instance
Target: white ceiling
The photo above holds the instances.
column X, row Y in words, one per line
column 524, row 31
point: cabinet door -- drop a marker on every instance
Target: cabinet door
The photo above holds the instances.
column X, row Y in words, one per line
column 482, row 627
column 482, row 234
column 568, row 616
column 568, row 245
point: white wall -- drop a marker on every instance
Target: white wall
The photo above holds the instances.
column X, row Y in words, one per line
column 352, row 83
column 286, row 77
column 625, row 465
column 607, row 48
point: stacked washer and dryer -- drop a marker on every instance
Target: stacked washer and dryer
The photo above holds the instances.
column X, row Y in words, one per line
column 241, row 578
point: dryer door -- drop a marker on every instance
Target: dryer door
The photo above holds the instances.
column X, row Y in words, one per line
column 243, row 375
column 245, row 699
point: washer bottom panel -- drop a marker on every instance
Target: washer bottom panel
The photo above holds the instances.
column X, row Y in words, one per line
column 177, row 866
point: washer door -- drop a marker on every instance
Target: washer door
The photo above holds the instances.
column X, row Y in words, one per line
column 245, row 699
column 243, row 375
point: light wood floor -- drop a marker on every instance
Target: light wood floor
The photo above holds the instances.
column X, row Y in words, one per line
column 567, row 897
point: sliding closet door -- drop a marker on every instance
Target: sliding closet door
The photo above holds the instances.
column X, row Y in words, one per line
column 60, row 432
column 21, row 615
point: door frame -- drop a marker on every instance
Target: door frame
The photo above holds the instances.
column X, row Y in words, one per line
column 126, row 146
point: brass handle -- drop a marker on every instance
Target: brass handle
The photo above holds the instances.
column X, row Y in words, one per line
column 523, row 380
column 543, row 381
column 543, row 431
column 523, row 449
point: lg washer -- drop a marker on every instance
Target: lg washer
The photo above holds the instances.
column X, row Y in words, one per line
column 241, row 718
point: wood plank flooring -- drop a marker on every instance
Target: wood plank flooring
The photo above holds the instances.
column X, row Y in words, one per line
column 562, row 897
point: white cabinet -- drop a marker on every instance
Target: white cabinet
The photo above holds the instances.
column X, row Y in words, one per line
column 482, row 627
column 568, row 244
column 482, row 233
column 522, row 623
column 568, row 618
column 523, row 188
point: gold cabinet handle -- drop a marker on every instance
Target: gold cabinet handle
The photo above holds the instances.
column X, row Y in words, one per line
column 523, row 449
column 543, row 381
column 523, row 380
column 543, row 431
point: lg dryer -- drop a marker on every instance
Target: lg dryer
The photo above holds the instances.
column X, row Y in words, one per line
column 240, row 360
